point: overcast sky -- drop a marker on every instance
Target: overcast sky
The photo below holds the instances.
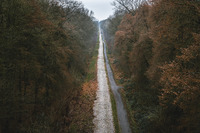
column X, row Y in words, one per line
column 102, row 8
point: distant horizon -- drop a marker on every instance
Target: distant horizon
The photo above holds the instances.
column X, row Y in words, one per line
column 102, row 8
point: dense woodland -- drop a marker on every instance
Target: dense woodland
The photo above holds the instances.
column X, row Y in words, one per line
column 156, row 45
column 45, row 47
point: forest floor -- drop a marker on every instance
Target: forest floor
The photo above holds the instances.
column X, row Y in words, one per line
column 81, row 114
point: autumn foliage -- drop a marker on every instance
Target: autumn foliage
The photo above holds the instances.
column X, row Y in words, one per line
column 43, row 62
column 181, row 83
column 157, row 49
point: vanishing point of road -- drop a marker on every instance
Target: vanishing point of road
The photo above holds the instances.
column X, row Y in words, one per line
column 103, row 120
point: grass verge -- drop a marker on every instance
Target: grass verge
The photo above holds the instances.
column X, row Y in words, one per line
column 113, row 103
column 114, row 111
column 130, row 113
column 92, row 65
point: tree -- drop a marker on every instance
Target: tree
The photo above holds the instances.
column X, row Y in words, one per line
column 127, row 5
column 180, row 80
column 157, row 49
column 43, row 61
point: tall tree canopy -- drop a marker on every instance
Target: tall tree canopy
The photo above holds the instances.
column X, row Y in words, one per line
column 44, row 53
column 156, row 47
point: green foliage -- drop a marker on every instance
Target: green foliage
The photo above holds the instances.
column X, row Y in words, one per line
column 92, row 66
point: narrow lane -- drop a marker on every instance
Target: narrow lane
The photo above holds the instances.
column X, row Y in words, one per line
column 103, row 120
column 121, row 112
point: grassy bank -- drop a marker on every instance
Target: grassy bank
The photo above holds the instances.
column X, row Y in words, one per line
column 92, row 71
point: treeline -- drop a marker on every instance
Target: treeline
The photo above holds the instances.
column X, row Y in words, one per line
column 157, row 47
column 45, row 47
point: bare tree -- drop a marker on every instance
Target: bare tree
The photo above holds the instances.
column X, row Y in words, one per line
column 127, row 5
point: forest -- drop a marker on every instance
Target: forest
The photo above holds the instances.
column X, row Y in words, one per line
column 48, row 54
column 156, row 48
column 45, row 47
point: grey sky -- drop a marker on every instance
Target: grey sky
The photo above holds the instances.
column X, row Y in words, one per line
column 102, row 8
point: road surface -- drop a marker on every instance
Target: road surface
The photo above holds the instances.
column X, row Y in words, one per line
column 121, row 112
column 103, row 118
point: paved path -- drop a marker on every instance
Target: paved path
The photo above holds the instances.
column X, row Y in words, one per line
column 121, row 112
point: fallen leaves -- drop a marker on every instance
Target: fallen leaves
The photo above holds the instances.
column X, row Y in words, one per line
column 81, row 109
